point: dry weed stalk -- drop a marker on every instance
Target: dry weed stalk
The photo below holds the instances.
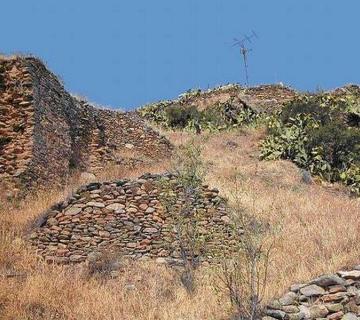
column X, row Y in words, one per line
column 245, row 273
column 189, row 169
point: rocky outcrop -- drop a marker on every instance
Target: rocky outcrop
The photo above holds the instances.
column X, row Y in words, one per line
column 46, row 134
column 261, row 98
column 332, row 297
column 222, row 107
column 267, row 98
column 132, row 218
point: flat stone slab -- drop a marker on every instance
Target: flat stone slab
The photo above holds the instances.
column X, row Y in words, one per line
column 354, row 274
column 95, row 204
column 312, row 290
column 349, row 316
column 115, row 206
column 328, row 280
column 72, row 211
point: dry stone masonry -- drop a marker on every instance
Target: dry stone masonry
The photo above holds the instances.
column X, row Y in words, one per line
column 45, row 133
column 332, row 297
column 129, row 217
column 122, row 139
column 16, row 118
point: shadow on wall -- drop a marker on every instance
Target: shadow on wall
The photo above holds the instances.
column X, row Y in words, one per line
column 47, row 133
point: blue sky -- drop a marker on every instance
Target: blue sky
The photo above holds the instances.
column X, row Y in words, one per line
column 127, row 53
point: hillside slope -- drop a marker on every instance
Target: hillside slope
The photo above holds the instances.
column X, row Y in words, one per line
column 312, row 225
column 316, row 231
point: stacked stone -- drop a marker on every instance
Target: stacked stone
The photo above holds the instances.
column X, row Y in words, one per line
column 97, row 151
column 122, row 138
column 128, row 217
column 16, row 119
column 46, row 134
column 268, row 98
column 332, row 297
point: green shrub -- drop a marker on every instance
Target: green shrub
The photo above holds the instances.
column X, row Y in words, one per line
column 178, row 116
column 288, row 141
column 220, row 116
column 340, row 144
column 351, row 177
column 314, row 133
column 214, row 116
column 309, row 106
column 155, row 112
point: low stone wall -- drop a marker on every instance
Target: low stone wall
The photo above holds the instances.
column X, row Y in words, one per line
column 332, row 297
column 46, row 134
column 129, row 217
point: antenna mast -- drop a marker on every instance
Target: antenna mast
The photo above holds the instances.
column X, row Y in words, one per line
column 244, row 51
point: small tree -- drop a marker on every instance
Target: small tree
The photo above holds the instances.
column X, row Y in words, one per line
column 244, row 275
column 178, row 116
column 189, row 170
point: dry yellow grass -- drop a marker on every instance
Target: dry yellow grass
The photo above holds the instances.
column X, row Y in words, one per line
column 32, row 289
column 317, row 227
column 317, row 231
column 143, row 291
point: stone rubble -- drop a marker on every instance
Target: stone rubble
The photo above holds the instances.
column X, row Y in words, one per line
column 332, row 297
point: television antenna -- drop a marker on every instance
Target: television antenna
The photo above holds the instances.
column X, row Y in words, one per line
column 244, row 50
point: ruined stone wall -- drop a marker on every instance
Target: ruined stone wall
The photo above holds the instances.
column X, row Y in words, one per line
column 129, row 217
column 56, row 119
column 16, row 119
column 332, row 297
column 122, row 138
column 263, row 97
column 46, row 134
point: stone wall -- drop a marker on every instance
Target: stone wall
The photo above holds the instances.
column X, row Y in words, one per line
column 332, row 297
column 129, row 217
column 122, row 138
column 16, row 118
column 46, row 134
column 261, row 98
